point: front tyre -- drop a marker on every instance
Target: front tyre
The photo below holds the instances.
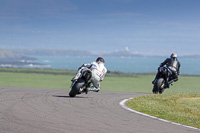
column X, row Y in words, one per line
column 76, row 87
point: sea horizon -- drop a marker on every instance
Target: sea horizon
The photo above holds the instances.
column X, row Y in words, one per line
column 189, row 66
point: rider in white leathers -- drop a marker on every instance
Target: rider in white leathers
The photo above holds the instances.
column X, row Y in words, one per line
column 98, row 73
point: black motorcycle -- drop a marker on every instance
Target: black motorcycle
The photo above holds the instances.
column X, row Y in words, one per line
column 81, row 84
column 160, row 83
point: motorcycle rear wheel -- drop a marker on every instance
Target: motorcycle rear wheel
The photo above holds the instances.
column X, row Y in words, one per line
column 159, row 86
column 76, row 87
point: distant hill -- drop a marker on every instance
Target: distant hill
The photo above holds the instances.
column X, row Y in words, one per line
column 51, row 52
column 8, row 58
column 26, row 53
column 67, row 52
column 7, row 54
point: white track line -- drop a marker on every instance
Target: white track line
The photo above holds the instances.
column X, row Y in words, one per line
column 123, row 105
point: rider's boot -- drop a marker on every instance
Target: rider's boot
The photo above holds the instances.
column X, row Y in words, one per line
column 92, row 88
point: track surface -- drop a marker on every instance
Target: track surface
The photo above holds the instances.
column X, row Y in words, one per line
column 34, row 110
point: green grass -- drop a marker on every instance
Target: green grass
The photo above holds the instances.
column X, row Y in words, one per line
column 114, row 81
column 180, row 107
column 33, row 80
column 36, row 78
column 142, row 83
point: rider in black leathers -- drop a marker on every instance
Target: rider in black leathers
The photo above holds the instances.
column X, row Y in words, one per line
column 174, row 65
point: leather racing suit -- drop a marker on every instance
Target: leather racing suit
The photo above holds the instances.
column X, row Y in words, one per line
column 98, row 73
column 174, row 65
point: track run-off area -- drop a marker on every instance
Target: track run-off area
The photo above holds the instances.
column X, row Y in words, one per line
column 44, row 110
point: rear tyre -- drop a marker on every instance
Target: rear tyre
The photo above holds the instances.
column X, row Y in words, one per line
column 159, row 86
column 76, row 87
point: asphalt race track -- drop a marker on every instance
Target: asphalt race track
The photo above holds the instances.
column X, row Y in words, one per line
column 35, row 110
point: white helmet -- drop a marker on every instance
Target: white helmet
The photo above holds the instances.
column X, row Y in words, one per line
column 173, row 55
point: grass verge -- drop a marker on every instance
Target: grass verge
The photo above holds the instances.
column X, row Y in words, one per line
column 180, row 107
column 114, row 81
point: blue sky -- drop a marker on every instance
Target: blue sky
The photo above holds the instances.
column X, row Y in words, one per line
column 157, row 27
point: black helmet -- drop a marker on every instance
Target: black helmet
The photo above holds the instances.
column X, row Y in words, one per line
column 100, row 59
column 173, row 55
